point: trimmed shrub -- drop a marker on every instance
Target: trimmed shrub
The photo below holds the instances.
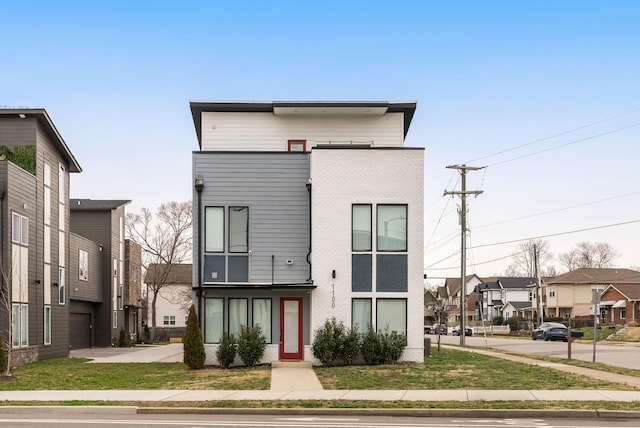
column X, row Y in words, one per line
column 392, row 346
column 514, row 323
column 227, row 350
column 328, row 342
column 251, row 345
column 193, row 354
column 498, row 320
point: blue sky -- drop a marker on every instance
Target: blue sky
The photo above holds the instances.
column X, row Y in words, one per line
column 116, row 78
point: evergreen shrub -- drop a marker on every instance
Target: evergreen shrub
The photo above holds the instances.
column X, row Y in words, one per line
column 251, row 345
column 194, row 355
column 328, row 342
column 227, row 350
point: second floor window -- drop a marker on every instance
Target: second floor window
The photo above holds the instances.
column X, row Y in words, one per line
column 392, row 227
column 238, row 224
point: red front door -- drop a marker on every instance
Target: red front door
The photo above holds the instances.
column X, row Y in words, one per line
column 291, row 328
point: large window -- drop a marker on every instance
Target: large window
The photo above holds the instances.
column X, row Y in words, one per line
column 391, row 315
column 214, row 230
column 392, row 227
column 360, row 314
column 238, row 229
column 361, row 227
column 169, row 320
column 262, row 317
column 214, row 320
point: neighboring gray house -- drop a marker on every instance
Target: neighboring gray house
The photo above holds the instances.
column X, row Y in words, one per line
column 304, row 211
column 102, row 304
column 35, row 164
column 506, row 297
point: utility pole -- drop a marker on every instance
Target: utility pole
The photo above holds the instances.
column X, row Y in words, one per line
column 463, row 232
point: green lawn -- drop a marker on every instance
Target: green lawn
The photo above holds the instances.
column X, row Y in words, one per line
column 452, row 369
column 75, row 373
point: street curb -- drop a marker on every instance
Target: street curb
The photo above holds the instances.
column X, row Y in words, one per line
column 440, row 413
column 84, row 410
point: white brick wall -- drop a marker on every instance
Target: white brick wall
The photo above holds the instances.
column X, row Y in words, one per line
column 339, row 179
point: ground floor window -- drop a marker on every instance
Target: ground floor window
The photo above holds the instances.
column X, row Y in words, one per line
column 262, row 317
column 360, row 314
column 47, row 325
column 391, row 315
column 623, row 313
column 213, row 320
column 20, row 324
column 169, row 320
column 237, row 316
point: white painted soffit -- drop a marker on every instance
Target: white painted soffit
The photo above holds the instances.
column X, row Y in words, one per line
column 329, row 111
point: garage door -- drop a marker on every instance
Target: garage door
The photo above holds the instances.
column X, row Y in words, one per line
column 80, row 331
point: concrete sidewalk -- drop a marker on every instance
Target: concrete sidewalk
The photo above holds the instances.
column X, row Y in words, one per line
column 297, row 381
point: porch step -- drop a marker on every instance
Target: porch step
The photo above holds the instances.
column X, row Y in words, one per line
column 291, row 364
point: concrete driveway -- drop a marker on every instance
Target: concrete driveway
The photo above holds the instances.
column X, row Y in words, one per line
column 138, row 354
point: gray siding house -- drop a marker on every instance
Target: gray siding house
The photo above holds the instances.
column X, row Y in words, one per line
column 98, row 304
column 35, row 164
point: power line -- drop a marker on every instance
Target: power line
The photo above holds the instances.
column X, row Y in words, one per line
column 557, row 210
column 558, row 134
column 566, row 144
column 557, row 234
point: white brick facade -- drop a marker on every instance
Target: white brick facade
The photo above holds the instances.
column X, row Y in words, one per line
column 339, row 179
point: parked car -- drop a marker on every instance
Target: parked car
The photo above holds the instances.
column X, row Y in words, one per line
column 427, row 329
column 467, row 331
column 440, row 329
column 550, row 331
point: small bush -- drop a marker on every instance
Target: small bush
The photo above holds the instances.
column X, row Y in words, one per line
column 514, row 323
column 328, row 342
column 370, row 347
column 251, row 345
column 227, row 350
column 123, row 341
column 392, row 346
column 350, row 347
column 498, row 320
column 146, row 337
column 194, row 355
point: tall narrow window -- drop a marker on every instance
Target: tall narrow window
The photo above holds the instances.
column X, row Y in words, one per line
column 214, row 230
column 61, row 287
column 392, row 227
column 262, row 317
column 47, row 325
column 360, row 315
column 237, row 316
column 238, row 229
column 361, row 227
column 213, row 320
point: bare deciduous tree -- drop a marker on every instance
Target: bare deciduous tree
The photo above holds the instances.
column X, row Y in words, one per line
column 440, row 309
column 523, row 259
column 166, row 241
column 587, row 255
column 6, row 307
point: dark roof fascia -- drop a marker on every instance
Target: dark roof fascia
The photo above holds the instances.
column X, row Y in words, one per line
column 407, row 108
column 236, row 286
column 41, row 115
column 96, row 204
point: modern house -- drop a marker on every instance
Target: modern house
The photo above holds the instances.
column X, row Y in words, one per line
column 108, row 297
column 304, row 211
column 173, row 300
column 571, row 294
column 35, row 164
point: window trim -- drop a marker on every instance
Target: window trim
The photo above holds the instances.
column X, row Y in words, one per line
column 222, row 230
column 297, row 143
column 229, row 250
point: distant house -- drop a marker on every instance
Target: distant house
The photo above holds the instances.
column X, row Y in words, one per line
column 571, row 294
column 506, row 297
column 174, row 297
column 106, row 294
column 620, row 304
column 450, row 295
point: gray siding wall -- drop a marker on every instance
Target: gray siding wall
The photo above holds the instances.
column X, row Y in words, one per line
column 90, row 290
column 273, row 186
column 16, row 131
column 97, row 227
